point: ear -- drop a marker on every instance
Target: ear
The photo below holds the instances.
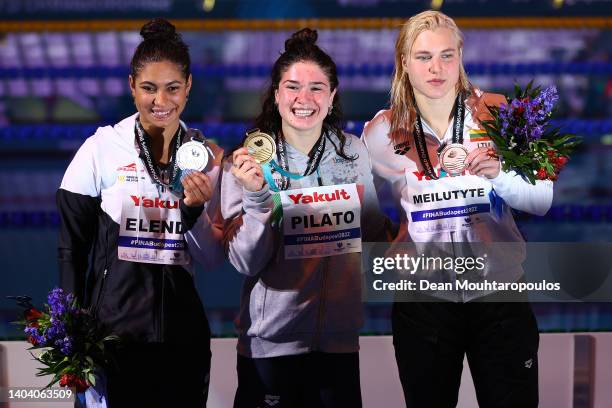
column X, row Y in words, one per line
column 331, row 97
column 188, row 86
column 132, row 82
column 404, row 62
column 276, row 96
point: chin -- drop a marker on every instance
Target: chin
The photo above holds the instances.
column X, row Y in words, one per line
column 164, row 122
column 438, row 93
column 306, row 126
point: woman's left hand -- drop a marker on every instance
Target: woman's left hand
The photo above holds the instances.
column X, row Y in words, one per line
column 483, row 161
column 197, row 188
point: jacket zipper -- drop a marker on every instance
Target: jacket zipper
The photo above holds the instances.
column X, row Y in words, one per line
column 317, row 335
column 100, row 292
column 103, row 283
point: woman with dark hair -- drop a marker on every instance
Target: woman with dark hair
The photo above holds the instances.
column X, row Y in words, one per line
column 295, row 231
column 139, row 196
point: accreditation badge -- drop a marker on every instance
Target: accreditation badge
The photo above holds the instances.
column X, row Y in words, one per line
column 321, row 221
column 151, row 230
column 450, row 203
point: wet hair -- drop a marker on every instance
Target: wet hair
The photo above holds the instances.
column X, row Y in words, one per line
column 402, row 95
column 160, row 43
column 301, row 47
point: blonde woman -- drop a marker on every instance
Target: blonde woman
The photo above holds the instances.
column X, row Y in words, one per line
column 430, row 146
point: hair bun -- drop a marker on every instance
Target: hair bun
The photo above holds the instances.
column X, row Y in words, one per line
column 159, row 29
column 300, row 39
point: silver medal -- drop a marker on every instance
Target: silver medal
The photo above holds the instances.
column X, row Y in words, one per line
column 192, row 156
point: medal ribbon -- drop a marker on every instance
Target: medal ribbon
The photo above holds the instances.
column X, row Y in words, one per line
column 419, row 135
column 314, row 159
column 144, row 143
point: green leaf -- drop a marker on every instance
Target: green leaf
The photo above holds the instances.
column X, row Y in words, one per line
column 91, row 378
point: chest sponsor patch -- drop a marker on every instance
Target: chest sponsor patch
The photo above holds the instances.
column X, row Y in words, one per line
column 321, row 221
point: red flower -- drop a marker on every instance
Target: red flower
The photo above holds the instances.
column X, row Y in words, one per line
column 541, row 175
column 73, row 381
column 32, row 314
column 561, row 161
column 521, row 109
column 551, row 154
column 32, row 341
column 553, row 177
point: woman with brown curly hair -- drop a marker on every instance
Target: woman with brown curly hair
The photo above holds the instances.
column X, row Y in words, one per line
column 296, row 233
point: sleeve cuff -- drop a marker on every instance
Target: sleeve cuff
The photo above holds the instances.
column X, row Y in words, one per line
column 503, row 179
column 257, row 200
column 189, row 214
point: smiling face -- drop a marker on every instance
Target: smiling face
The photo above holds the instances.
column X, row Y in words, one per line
column 304, row 96
column 160, row 93
column 433, row 64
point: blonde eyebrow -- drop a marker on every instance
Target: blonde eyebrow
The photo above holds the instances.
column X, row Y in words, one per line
column 429, row 53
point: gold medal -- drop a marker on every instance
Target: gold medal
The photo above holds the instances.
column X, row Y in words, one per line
column 260, row 145
column 452, row 158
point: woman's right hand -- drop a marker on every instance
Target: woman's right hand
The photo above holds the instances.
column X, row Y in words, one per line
column 246, row 170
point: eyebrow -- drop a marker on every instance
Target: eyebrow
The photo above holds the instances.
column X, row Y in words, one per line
column 310, row 83
column 168, row 84
column 428, row 52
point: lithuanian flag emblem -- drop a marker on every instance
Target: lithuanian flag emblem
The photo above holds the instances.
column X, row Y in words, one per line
column 477, row 135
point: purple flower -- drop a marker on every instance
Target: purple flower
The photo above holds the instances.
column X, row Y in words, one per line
column 546, row 101
column 34, row 336
column 67, row 346
column 536, row 131
column 64, row 344
column 57, row 302
column 504, row 115
column 60, row 303
column 524, row 119
column 56, row 330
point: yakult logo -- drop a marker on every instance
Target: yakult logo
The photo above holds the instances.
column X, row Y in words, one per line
column 319, row 198
column 420, row 175
column 156, row 203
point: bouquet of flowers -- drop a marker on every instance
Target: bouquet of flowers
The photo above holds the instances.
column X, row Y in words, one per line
column 523, row 135
column 74, row 342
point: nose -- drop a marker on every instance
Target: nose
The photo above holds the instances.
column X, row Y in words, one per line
column 160, row 98
column 304, row 94
column 435, row 66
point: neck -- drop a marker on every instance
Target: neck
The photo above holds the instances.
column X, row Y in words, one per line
column 303, row 141
column 437, row 112
column 160, row 141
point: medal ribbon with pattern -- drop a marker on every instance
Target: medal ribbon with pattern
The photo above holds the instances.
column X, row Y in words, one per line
column 419, row 135
column 145, row 153
column 314, row 159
